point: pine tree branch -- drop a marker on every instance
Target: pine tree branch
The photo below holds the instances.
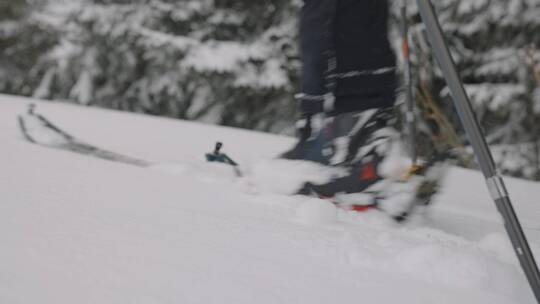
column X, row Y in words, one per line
column 533, row 62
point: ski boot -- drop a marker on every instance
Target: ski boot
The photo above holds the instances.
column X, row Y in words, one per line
column 306, row 128
column 379, row 173
column 324, row 139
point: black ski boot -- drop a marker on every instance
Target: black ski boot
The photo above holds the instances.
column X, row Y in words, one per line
column 324, row 139
column 379, row 173
column 299, row 150
column 307, row 147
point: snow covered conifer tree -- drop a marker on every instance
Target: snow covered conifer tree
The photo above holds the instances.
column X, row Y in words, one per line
column 495, row 45
column 24, row 40
column 227, row 62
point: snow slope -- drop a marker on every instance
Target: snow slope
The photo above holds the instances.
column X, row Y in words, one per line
column 74, row 229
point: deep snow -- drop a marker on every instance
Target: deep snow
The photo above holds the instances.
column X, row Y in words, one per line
column 75, row 229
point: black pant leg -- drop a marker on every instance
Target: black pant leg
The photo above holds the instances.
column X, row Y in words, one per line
column 316, row 47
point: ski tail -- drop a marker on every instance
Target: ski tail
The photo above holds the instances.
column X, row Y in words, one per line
column 37, row 129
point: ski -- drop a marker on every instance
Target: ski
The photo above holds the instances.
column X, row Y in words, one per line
column 39, row 130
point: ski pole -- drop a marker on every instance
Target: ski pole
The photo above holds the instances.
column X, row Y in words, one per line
column 409, row 112
column 494, row 181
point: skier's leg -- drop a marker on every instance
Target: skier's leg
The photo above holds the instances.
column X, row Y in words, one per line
column 346, row 55
column 358, row 130
column 317, row 19
column 317, row 51
column 366, row 63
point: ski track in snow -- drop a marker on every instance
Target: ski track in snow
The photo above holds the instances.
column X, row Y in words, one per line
column 75, row 229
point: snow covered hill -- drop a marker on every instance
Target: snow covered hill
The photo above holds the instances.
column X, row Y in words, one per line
column 75, row 229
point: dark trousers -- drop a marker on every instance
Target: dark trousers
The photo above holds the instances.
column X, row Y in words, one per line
column 345, row 52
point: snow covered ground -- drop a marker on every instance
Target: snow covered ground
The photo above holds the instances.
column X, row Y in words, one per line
column 75, row 229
